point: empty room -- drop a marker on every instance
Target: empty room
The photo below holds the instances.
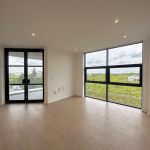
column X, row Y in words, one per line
column 74, row 75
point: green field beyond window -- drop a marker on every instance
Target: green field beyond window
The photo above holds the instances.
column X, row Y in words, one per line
column 115, row 75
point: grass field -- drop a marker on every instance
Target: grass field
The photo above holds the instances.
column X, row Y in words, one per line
column 120, row 94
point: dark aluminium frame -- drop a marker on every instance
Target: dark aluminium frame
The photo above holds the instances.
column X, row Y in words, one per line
column 107, row 79
column 26, row 80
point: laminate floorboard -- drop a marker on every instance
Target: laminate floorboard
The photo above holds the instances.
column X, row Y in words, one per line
column 73, row 124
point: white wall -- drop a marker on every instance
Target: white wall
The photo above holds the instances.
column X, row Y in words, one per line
column 79, row 77
column 2, row 88
column 59, row 75
column 145, row 75
column 148, row 77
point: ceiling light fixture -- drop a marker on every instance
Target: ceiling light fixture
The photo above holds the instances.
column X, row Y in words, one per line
column 116, row 21
column 124, row 36
column 76, row 49
column 33, row 34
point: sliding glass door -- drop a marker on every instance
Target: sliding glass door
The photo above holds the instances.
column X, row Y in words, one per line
column 115, row 75
column 24, row 75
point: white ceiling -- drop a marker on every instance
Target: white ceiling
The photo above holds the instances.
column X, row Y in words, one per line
column 68, row 24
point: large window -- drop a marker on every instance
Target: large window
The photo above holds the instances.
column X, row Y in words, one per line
column 24, row 75
column 115, row 75
column 95, row 74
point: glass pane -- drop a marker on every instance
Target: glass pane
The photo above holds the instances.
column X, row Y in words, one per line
column 16, row 92
column 96, row 90
column 35, row 92
column 16, row 75
column 96, row 59
column 35, row 59
column 16, row 58
column 125, row 75
column 131, row 54
column 96, row 74
column 126, row 95
column 35, row 75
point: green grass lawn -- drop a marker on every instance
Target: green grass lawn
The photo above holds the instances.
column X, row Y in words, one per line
column 120, row 94
column 122, row 78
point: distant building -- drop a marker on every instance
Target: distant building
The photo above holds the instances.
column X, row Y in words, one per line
column 133, row 78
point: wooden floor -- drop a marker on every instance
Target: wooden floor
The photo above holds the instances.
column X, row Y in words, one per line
column 73, row 124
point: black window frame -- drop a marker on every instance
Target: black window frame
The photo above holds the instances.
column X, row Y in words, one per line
column 108, row 67
column 90, row 68
column 25, row 51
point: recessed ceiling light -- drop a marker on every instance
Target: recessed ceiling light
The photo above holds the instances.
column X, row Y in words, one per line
column 116, row 21
column 75, row 49
column 124, row 36
column 33, row 34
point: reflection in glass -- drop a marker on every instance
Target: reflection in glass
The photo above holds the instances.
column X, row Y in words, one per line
column 35, row 92
column 35, row 59
column 96, row 90
column 16, row 58
column 16, row 75
column 16, row 92
column 96, row 59
column 96, row 74
column 126, row 95
column 35, row 75
column 125, row 75
column 131, row 54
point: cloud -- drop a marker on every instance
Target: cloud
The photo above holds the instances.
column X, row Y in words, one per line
column 131, row 54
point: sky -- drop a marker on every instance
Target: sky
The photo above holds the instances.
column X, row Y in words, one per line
column 15, row 60
column 131, row 54
column 20, row 61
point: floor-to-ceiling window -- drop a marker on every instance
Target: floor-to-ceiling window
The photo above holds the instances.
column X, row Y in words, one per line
column 115, row 75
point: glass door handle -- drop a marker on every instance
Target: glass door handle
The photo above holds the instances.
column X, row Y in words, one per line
column 23, row 81
column 28, row 81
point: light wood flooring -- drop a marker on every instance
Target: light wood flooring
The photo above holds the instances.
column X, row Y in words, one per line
column 73, row 124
